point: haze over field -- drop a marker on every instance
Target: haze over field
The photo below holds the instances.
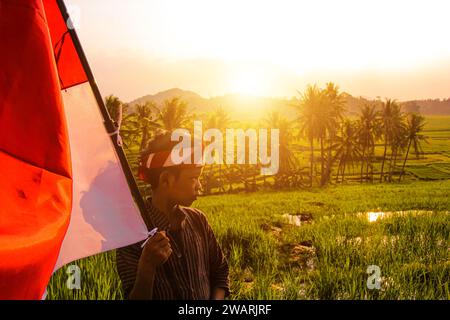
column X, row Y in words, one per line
column 254, row 108
column 395, row 49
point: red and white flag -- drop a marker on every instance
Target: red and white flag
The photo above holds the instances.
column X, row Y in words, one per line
column 63, row 191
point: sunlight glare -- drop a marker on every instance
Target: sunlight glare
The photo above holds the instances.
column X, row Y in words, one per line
column 374, row 216
column 248, row 83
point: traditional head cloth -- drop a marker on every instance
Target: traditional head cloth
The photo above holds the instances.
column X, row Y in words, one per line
column 177, row 156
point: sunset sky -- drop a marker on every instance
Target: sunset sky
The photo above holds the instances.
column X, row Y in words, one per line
column 398, row 49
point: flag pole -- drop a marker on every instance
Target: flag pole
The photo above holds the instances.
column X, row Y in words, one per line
column 109, row 125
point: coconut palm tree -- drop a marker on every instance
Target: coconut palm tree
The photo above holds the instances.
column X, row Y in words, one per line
column 399, row 143
column 391, row 120
column 311, row 119
column 219, row 119
column 415, row 124
column 115, row 108
column 288, row 163
column 347, row 147
column 173, row 115
column 130, row 130
column 398, row 140
column 336, row 108
column 145, row 121
column 367, row 134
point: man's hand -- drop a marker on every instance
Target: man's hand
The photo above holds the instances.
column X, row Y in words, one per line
column 156, row 251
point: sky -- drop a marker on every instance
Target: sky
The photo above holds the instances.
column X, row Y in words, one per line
column 397, row 49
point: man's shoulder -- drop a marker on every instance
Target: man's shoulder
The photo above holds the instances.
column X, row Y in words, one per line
column 194, row 214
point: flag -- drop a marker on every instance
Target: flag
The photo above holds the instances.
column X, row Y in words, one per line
column 64, row 194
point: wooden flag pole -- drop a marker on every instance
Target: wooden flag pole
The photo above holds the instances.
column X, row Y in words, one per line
column 109, row 125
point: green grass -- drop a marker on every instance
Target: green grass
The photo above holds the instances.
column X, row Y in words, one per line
column 268, row 262
column 266, row 256
column 437, row 123
column 428, row 172
column 445, row 166
column 438, row 142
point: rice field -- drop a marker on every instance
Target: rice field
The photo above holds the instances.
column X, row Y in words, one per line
column 433, row 164
column 438, row 123
column 326, row 254
column 319, row 243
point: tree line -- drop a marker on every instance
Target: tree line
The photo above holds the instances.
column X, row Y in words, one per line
column 335, row 141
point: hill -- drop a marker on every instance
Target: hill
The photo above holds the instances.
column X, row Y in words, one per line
column 238, row 106
column 251, row 108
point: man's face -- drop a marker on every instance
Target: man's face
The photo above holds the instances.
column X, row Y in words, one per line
column 185, row 189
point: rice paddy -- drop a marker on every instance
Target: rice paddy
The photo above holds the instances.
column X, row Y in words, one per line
column 320, row 243
column 327, row 255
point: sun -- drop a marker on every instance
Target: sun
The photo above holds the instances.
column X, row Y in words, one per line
column 249, row 84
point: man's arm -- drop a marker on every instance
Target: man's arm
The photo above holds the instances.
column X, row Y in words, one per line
column 143, row 285
column 155, row 253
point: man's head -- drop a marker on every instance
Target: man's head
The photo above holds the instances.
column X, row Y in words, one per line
column 178, row 183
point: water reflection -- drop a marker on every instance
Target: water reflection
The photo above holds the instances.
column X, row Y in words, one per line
column 373, row 216
column 293, row 219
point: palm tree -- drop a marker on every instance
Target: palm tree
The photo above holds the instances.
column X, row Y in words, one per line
column 399, row 143
column 336, row 108
column 173, row 115
column 347, row 148
column 367, row 134
column 220, row 120
column 415, row 124
column 312, row 126
column 397, row 137
column 129, row 129
column 113, row 104
column 144, row 120
column 287, row 161
column 391, row 119
column 115, row 108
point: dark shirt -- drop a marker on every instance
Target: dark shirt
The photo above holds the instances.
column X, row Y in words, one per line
column 195, row 267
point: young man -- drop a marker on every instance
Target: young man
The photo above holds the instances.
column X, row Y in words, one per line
column 183, row 260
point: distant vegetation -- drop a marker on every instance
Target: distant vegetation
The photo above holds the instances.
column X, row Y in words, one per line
column 321, row 141
column 237, row 104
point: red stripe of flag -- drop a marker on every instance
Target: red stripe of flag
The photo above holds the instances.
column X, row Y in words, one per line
column 70, row 69
column 35, row 170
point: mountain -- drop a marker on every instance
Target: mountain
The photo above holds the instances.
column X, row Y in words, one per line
column 238, row 106
column 192, row 98
column 252, row 108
